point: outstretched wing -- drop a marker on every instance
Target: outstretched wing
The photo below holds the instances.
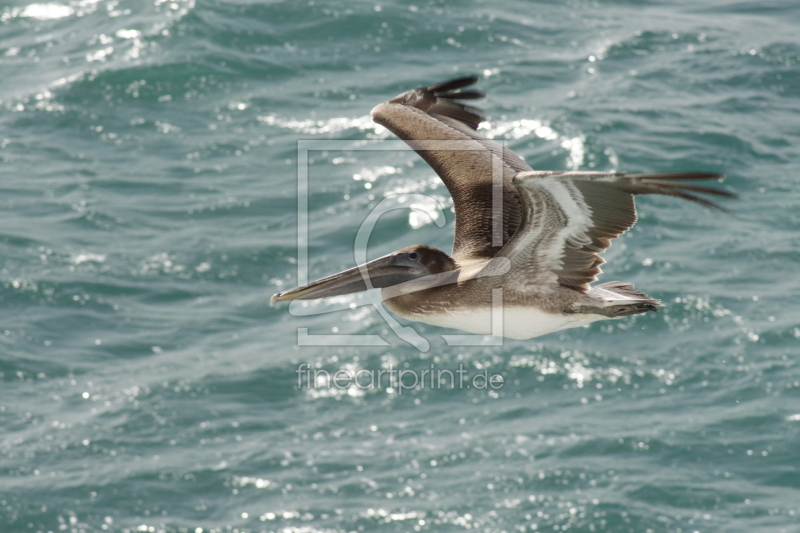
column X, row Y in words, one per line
column 569, row 218
column 440, row 128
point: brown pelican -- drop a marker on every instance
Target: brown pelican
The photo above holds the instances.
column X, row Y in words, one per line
column 527, row 242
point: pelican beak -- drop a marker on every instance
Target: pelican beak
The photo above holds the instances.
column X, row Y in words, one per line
column 385, row 271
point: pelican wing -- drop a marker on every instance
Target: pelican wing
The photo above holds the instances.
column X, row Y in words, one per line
column 569, row 218
column 478, row 172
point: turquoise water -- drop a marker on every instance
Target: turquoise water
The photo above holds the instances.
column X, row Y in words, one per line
column 149, row 196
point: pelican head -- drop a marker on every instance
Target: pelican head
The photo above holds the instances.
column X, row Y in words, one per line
column 398, row 267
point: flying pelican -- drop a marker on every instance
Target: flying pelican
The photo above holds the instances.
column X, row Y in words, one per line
column 527, row 242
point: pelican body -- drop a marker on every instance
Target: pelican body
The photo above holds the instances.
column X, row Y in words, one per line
column 527, row 243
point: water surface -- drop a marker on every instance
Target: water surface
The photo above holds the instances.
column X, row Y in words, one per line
column 149, row 189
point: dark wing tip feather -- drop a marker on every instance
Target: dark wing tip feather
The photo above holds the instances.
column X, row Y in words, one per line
column 470, row 116
column 680, row 193
column 444, row 99
column 446, row 95
column 452, row 85
column 673, row 184
column 681, row 176
column 461, row 95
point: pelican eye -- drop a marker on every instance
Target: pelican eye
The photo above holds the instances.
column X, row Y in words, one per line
column 413, row 256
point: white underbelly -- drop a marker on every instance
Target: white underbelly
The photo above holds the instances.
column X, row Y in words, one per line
column 513, row 322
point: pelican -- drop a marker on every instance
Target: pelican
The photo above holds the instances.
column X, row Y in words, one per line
column 527, row 243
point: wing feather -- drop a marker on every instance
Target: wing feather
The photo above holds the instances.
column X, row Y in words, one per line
column 466, row 162
column 569, row 218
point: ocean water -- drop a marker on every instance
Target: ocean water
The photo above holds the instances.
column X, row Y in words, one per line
column 150, row 156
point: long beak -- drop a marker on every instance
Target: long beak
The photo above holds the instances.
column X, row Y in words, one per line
column 382, row 272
